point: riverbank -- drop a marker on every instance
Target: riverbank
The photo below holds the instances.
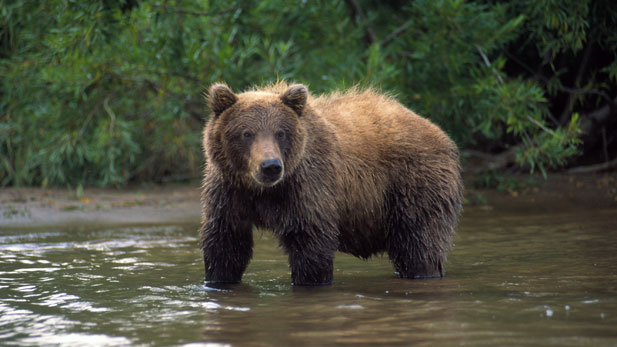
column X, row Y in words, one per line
column 560, row 192
column 148, row 204
column 179, row 204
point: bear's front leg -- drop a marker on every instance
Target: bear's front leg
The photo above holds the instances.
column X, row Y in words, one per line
column 227, row 251
column 311, row 269
column 311, row 260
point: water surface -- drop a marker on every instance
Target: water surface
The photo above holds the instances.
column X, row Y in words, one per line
column 514, row 277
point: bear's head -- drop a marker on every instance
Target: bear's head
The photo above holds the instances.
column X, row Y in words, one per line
column 256, row 138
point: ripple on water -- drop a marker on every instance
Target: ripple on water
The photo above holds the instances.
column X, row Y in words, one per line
column 350, row 307
column 76, row 339
column 57, row 299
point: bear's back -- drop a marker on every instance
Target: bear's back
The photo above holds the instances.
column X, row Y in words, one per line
column 376, row 127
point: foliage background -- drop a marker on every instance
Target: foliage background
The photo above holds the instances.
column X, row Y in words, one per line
column 110, row 92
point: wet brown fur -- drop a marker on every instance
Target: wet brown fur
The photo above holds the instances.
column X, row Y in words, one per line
column 361, row 174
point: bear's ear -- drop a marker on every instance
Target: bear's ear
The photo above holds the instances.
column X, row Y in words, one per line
column 220, row 98
column 295, row 97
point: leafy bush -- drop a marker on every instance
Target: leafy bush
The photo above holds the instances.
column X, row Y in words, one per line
column 104, row 93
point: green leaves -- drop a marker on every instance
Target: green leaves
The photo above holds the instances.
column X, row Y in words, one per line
column 104, row 93
column 557, row 25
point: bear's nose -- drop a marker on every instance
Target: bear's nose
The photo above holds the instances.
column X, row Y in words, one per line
column 271, row 167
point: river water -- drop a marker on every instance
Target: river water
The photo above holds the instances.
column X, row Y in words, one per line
column 514, row 277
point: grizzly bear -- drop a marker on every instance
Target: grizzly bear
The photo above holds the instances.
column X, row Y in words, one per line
column 355, row 172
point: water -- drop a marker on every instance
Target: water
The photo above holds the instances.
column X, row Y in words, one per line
column 514, row 277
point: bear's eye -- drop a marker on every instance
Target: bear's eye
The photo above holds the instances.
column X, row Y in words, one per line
column 280, row 134
column 247, row 135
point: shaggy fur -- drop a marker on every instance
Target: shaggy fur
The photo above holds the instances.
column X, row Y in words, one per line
column 359, row 173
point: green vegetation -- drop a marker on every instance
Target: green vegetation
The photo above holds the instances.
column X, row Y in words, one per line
column 108, row 92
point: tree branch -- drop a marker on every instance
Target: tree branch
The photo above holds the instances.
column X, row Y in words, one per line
column 356, row 12
column 598, row 116
column 396, row 33
column 493, row 162
column 561, row 88
column 488, row 63
column 540, row 125
column 594, row 168
column 567, row 110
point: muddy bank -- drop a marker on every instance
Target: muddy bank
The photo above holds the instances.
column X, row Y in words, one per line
column 559, row 193
column 179, row 204
column 38, row 207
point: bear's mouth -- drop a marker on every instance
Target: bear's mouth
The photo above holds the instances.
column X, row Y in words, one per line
column 268, row 180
